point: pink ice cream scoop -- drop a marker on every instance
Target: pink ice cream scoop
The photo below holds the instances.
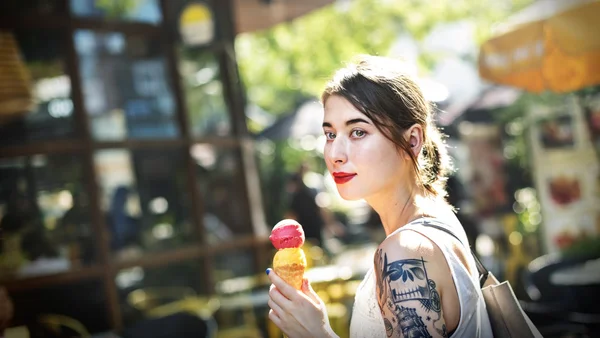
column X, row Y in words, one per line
column 287, row 234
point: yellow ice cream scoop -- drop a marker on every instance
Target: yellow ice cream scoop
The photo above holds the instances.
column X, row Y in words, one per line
column 290, row 264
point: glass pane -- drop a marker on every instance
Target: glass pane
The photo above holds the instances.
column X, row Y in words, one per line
column 220, row 181
column 147, row 11
column 144, row 196
column 126, row 87
column 44, row 216
column 203, row 90
column 25, row 7
column 235, row 263
column 143, row 289
column 35, row 90
column 83, row 301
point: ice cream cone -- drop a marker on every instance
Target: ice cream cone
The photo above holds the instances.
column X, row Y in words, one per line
column 289, row 264
column 291, row 273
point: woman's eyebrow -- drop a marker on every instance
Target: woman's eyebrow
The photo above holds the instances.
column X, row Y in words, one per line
column 349, row 122
column 358, row 120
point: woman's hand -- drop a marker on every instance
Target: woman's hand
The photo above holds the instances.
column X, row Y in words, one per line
column 298, row 313
column 6, row 309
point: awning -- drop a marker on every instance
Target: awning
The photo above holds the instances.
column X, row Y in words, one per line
column 253, row 15
column 551, row 45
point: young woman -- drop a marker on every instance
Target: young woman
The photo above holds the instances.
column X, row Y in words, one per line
column 383, row 147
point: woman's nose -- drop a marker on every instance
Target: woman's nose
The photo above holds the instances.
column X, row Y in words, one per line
column 338, row 152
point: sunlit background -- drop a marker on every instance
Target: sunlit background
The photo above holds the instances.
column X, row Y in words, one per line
column 147, row 147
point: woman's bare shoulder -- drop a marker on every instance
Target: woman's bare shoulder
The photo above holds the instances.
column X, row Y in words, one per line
column 410, row 244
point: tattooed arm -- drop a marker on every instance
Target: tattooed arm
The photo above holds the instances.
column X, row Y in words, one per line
column 411, row 274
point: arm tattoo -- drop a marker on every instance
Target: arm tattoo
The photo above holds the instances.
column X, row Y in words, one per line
column 406, row 280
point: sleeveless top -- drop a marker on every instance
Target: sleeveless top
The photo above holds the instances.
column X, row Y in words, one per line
column 367, row 320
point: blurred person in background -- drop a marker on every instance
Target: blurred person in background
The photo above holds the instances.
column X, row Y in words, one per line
column 23, row 238
column 124, row 228
column 6, row 310
column 303, row 207
column 383, row 147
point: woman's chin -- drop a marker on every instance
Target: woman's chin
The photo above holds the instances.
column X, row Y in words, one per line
column 349, row 195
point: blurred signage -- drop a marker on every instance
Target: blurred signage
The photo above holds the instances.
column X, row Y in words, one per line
column 566, row 174
column 488, row 179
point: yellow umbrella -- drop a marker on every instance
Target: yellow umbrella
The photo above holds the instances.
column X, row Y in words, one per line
column 559, row 52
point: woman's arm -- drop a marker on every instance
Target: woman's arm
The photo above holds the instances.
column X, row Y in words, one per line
column 410, row 273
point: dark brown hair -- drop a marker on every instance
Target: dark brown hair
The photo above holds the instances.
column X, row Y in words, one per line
column 383, row 89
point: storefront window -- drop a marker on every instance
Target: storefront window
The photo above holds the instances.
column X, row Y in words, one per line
column 221, row 185
column 44, row 216
column 203, row 90
column 126, row 88
column 236, row 263
column 145, row 201
column 146, row 11
column 104, row 185
column 35, row 91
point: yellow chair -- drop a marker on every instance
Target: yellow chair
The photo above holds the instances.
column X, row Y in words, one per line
column 164, row 301
column 56, row 323
column 156, row 302
column 249, row 326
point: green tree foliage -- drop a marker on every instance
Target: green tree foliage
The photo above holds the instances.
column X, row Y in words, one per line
column 117, row 8
column 285, row 64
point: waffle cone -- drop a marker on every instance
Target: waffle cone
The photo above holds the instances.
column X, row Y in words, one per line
column 291, row 273
column 290, row 264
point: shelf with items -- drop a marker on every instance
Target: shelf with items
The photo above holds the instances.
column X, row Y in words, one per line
column 152, row 260
column 28, row 283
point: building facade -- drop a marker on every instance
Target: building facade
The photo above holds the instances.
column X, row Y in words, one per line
column 125, row 162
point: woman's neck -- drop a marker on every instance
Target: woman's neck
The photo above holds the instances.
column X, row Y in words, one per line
column 399, row 207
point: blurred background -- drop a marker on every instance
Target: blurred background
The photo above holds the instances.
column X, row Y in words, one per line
column 147, row 147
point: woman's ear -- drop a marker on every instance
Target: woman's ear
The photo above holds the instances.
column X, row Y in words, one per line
column 414, row 137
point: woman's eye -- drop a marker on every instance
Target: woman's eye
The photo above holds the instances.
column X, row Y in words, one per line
column 358, row 133
column 329, row 135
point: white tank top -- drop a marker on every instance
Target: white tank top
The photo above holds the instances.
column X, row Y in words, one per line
column 367, row 321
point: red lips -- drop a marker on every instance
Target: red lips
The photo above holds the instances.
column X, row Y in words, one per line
column 341, row 177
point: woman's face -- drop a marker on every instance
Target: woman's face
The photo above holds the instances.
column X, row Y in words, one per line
column 362, row 161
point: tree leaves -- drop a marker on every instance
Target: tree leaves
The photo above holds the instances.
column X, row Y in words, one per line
column 310, row 48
